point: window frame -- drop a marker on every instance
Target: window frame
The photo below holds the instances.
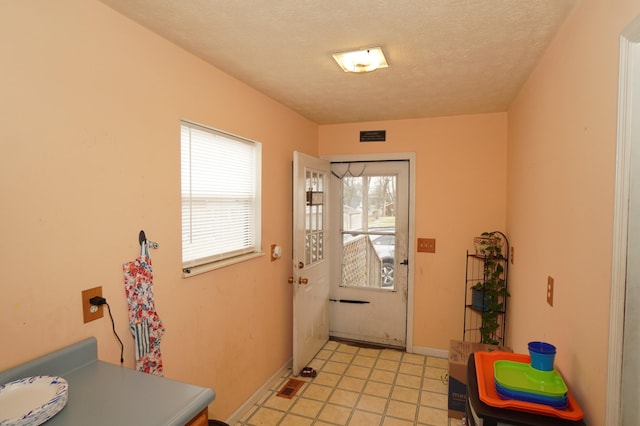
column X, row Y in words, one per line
column 196, row 266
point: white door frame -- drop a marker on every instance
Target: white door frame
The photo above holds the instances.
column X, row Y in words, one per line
column 411, row 158
column 629, row 53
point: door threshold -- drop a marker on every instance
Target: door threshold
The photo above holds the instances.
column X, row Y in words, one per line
column 367, row 345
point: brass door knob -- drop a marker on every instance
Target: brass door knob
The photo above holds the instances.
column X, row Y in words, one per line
column 290, row 280
column 303, row 280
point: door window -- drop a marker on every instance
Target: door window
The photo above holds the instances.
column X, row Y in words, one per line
column 314, row 220
column 368, row 231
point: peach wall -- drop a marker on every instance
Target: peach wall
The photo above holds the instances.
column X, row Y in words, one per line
column 561, row 167
column 89, row 141
column 460, row 192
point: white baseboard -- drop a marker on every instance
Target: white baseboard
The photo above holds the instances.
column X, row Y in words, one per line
column 253, row 399
column 437, row 353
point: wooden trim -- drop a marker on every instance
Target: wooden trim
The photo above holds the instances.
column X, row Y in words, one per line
column 629, row 37
column 202, row 419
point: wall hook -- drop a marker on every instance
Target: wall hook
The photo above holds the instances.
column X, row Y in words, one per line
column 142, row 238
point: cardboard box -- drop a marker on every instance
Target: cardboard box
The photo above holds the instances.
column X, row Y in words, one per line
column 458, row 356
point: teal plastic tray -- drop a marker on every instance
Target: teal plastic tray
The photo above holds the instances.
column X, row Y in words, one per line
column 524, row 378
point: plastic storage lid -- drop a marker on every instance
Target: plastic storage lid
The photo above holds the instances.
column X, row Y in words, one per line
column 521, row 395
column 507, row 394
column 523, row 377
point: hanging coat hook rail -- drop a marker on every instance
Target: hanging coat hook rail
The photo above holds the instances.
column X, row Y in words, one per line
column 142, row 238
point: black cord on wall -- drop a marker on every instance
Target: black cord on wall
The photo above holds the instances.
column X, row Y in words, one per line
column 97, row 301
column 113, row 326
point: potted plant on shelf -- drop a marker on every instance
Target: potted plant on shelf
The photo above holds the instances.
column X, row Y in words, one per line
column 489, row 295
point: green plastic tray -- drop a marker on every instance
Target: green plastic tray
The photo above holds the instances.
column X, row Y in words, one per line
column 523, row 377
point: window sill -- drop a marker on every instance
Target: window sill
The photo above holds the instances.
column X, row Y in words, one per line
column 201, row 269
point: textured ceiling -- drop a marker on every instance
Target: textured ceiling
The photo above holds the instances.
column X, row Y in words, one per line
column 446, row 57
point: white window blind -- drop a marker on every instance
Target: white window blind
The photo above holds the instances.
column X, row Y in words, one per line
column 220, row 196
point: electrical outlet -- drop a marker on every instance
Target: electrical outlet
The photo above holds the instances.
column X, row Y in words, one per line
column 427, row 245
column 91, row 312
column 276, row 252
column 550, row 291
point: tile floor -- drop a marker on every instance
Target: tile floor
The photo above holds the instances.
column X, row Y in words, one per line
column 360, row 386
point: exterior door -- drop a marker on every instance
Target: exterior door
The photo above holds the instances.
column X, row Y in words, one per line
column 310, row 278
column 369, row 276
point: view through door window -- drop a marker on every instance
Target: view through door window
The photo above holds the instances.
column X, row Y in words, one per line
column 314, row 223
column 368, row 231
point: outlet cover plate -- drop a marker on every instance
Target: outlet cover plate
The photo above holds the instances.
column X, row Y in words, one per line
column 87, row 315
column 550, row 291
column 427, row 245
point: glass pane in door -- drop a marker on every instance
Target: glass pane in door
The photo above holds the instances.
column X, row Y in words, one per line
column 314, row 219
column 368, row 231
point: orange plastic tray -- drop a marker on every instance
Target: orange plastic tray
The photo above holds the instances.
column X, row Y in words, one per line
column 488, row 395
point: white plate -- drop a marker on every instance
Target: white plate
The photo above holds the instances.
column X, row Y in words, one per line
column 32, row 400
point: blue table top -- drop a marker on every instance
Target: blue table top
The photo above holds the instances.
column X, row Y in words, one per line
column 105, row 394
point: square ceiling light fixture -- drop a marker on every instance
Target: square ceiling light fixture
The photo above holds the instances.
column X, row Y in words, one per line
column 364, row 60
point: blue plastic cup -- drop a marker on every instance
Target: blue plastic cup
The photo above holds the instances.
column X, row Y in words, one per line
column 542, row 355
